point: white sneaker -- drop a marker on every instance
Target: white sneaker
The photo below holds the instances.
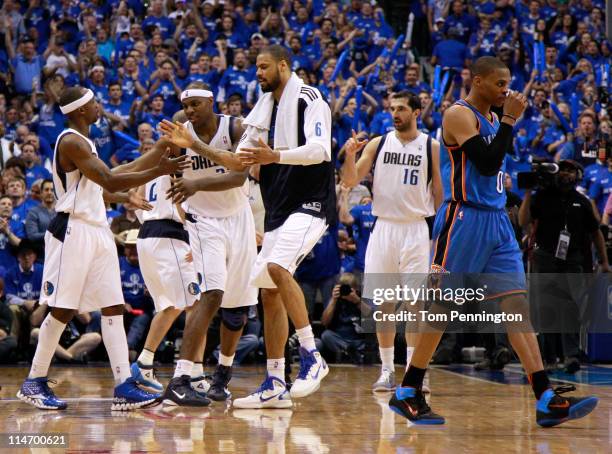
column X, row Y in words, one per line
column 313, row 369
column 271, row 394
column 385, row 382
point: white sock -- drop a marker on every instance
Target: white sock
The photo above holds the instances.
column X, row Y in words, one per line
column 276, row 368
column 387, row 356
column 183, row 367
column 409, row 352
column 115, row 341
column 197, row 370
column 226, row 361
column 50, row 332
column 306, row 338
column 146, row 357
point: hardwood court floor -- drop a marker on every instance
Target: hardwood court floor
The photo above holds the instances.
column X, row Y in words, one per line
column 343, row 416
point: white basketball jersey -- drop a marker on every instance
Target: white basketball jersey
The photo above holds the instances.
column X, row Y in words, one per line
column 214, row 204
column 402, row 188
column 163, row 208
column 76, row 194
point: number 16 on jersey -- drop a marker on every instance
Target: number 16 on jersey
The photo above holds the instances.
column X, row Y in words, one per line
column 411, row 176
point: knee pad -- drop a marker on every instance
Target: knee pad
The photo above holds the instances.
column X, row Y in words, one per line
column 234, row 318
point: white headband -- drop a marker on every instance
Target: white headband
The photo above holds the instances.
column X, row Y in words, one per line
column 196, row 93
column 74, row 105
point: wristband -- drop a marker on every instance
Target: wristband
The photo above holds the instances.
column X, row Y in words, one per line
column 509, row 116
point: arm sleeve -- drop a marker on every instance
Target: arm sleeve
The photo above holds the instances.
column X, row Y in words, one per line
column 489, row 158
column 317, row 129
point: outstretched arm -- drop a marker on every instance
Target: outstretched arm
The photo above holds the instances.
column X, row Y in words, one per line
column 180, row 136
column 133, row 196
column 150, row 159
column 182, row 188
column 75, row 152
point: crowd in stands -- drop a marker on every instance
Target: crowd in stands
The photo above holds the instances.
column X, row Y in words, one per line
column 137, row 56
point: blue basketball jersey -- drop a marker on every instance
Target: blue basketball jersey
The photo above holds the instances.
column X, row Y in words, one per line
column 461, row 180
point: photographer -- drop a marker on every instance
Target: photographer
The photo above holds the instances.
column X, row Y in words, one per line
column 563, row 225
column 342, row 316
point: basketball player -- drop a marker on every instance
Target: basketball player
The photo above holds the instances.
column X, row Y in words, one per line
column 297, row 186
column 163, row 249
column 222, row 237
column 473, row 234
column 81, row 271
column 406, row 170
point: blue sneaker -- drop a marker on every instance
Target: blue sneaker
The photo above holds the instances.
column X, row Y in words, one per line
column 145, row 376
column 128, row 396
column 271, row 394
column 36, row 392
column 313, row 369
column 553, row 409
column 410, row 403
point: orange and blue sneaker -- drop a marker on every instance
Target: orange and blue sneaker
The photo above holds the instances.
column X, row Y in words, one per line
column 410, row 403
column 36, row 392
column 553, row 409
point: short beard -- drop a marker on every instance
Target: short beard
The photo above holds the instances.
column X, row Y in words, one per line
column 273, row 84
column 403, row 127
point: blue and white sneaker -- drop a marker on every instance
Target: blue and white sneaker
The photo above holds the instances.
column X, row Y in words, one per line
column 128, row 396
column 36, row 392
column 145, row 376
column 313, row 369
column 271, row 394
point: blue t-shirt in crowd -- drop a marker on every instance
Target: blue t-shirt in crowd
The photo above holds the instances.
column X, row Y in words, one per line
column 451, row 53
column 24, row 284
column 35, row 173
column 324, row 259
column 382, row 123
column 102, row 135
column 593, row 173
column 133, row 285
column 20, row 213
column 600, row 190
column 362, row 227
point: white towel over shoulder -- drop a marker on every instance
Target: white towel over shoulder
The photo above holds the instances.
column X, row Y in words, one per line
column 317, row 124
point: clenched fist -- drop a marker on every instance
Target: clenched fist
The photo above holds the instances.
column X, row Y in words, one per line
column 515, row 104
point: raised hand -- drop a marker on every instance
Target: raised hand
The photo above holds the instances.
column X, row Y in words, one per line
column 177, row 133
column 354, row 144
column 515, row 104
column 181, row 189
column 168, row 165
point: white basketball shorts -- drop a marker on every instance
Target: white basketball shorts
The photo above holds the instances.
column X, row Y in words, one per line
column 81, row 268
column 224, row 250
column 170, row 278
column 287, row 246
column 397, row 254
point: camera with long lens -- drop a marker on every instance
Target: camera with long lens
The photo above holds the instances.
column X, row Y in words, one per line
column 541, row 176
